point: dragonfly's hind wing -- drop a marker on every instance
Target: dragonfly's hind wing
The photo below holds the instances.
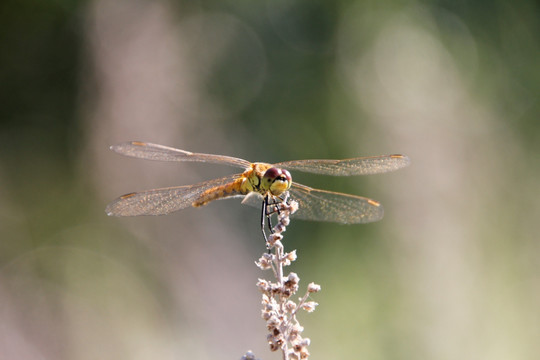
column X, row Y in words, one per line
column 149, row 151
column 162, row 201
column 321, row 205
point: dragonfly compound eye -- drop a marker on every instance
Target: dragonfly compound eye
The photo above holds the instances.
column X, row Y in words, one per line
column 276, row 181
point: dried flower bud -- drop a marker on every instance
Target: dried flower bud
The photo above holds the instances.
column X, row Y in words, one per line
column 304, row 353
column 268, row 309
column 272, row 322
column 291, row 283
column 265, row 315
column 296, row 330
column 309, row 306
column 313, row 288
column 248, row 356
column 290, row 306
column 265, row 261
column 282, row 208
column 263, row 286
column 271, row 306
column 293, row 278
column 275, row 288
column 288, row 258
column 293, row 206
column 293, row 355
column 275, row 342
column 272, row 238
column 291, row 256
column 305, row 342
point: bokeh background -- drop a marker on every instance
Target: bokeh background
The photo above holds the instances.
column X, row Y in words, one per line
column 452, row 272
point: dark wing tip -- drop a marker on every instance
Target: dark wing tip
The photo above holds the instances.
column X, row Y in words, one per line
column 374, row 203
column 405, row 160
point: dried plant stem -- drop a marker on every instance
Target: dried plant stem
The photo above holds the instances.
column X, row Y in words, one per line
column 279, row 310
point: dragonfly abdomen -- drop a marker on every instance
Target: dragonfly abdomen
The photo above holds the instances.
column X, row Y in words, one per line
column 220, row 192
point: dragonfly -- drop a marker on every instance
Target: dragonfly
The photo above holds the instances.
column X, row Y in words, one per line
column 259, row 184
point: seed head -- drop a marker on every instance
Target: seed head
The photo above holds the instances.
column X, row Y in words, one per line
column 313, row 288
column 290, row 306
column 309, row 306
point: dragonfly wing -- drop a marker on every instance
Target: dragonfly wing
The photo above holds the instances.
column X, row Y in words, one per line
column 151, row 151
column 162, row 201
column 321, row 205
column 348, row 167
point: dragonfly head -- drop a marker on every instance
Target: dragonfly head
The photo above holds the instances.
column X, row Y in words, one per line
column 276, row 181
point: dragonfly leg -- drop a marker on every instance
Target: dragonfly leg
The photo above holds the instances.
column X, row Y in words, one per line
column 278, row 203
column 264, row 214
column 269, row 211
column 269, row 208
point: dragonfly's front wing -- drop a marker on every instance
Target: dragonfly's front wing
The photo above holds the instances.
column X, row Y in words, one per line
column 149, row 151
column 348, row 167
column 162, row 201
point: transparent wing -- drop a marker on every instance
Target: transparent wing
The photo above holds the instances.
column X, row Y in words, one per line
column 151, row 151
column 321, row 205
column 347, row 167
column 162, row 201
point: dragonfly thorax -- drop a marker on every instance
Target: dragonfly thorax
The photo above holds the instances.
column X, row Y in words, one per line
column 265, row 179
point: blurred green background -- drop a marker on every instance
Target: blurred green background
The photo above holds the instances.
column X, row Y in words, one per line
column 452, row 272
